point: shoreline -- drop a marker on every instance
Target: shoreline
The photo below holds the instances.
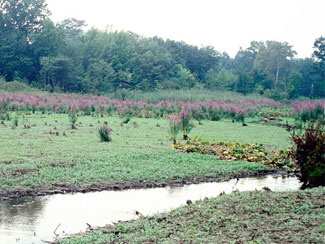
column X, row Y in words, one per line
column 64, row 189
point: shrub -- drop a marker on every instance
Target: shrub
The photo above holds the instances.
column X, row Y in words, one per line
column 310, row 153
column 104, row 134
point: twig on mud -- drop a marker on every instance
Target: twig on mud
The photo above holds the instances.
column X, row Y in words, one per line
column 56, row 230
column 89, row 227
column 50, row 242
column 138, row 213
column 235, row 183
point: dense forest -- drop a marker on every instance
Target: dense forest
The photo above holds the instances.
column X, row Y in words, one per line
column 62, row 57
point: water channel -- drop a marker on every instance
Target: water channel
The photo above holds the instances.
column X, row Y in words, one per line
column 33, row 220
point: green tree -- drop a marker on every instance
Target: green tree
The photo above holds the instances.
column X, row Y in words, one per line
column 74, row 33
column 197, row 60
column 50, row 41
column 181, row 79
column 56, row 72
column 94, row 44
column 100, row 76
column 244, row 59
column 73, row 28
column 153, row 64
column 211, row 79
column 18, row 20
column 318, row 88
column 226, row 80
column 273, row 58
column 294, row 85
column 244, row 83
column 306, row 67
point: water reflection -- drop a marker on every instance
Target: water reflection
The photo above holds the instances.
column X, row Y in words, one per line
column 16, row 210
column 31, row 220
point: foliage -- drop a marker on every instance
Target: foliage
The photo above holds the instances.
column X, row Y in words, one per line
column 273, row 57
column 319, row 53
column 104, row 134
column 56, row 71
column 294, row 84
column 310, row 153
column 16, row 87
column 15, row 29
column 62, row 57
column 240, row 151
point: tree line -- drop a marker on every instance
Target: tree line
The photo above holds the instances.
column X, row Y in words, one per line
column 63, row 57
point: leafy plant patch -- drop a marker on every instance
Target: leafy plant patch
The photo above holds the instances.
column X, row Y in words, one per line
column 257, row 153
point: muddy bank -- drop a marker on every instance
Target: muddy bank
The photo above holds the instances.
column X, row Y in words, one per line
column 62, row 189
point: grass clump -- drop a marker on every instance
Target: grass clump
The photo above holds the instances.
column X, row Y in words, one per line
column 104, row 134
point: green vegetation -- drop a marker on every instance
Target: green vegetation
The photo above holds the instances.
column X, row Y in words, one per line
column 49, row 142
column 189, row 95
column 241, row 217
column 310, row 153
column 15, row 87
column 61, row 57
column 104, row 133
column 44, row 153
column 240, row 151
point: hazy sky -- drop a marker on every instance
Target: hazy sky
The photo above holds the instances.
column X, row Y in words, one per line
column 224, row 24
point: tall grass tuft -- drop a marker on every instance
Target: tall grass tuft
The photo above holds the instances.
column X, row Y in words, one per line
column 104, row 134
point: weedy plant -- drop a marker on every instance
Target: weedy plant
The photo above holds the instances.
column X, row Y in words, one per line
column 310, row 153
column 104, row 134
column 174, row 126
column 15, row 122
column 187, row 125
column 126, row 120
column 73, row 115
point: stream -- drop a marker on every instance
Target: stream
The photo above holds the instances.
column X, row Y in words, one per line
column 34, row 219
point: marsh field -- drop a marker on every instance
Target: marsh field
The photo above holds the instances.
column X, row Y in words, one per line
column 50, row 144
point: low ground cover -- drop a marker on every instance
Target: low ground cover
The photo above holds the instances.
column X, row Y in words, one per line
column 44, row 154
column 241, row 217
column 240, row 151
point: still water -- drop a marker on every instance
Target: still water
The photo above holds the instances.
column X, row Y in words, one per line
column 32, row 220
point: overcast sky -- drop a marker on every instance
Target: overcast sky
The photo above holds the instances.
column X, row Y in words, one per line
column 224, row 24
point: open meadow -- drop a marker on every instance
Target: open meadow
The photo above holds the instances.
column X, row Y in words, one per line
column 51, row 156
column 60, row 143
column 50, row 143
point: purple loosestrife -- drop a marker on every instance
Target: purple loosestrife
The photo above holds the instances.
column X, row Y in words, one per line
column 186, row 116
column 174, row 126
column 299, row 107
column 73, row 114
